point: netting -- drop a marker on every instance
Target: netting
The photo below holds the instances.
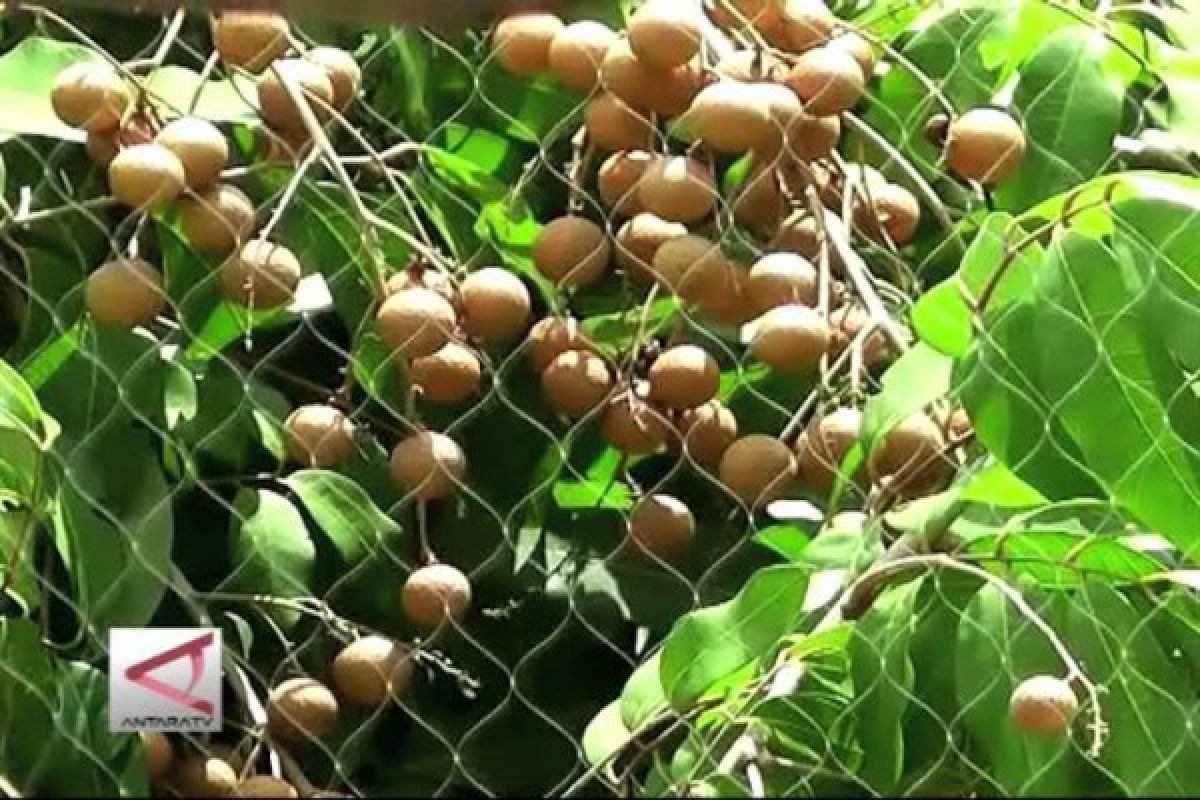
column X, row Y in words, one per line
column 682, row 430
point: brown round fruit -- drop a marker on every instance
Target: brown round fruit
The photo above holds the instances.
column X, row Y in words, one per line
column 572, row 252
column 217, row 220
column 638, row 240
column 985, row 145
column 91, row 95
column 757, row 469
column 684, row 377
column 266, row 786
column 891, row 209
column 275, row 101
column 577, row 51
column 662, row 526
column 261, row 274
column 725, row 301
column 102, row 146
column 550, row 337
column 910, row 456
column 576, row 382
column 828, row 80
column 430, row 465
column 861, row 50
column 415, row 322
column 665, row 33
column 758, row 203
column 750, row 66
column 343, row 72
column 371, row 670
column 435, row 593
column 146, row 176
column 689, row 265
column 708, row 431
column 847, row 322
column 812, row 138
column 521, row 42
column 1043, row 704
column 618, row 178
column 827, row 441
column 632, row 425
column 678, row 189
column 624, row 75
column 799, row 233
column 158, row 756
column 790, row 338
column 495, row 305
column 729, row 117
column 319, row 436
column 300, row 708
column 199, row 775
column 806, row 24
column 447, row 377
column 126, row 292
column 614, row 125
column 432, row 279
column 199, row 146
column 779, row 279
column 250, row 39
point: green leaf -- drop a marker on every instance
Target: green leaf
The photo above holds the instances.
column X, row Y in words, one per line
column 343, row 511
column 17, row 529
column 643, row 698
column 707, row 645
column 605, row 735
column 27, row 74
column 616, row 331
column 918, row 377
column 1179, row 71
column 600, row 486
column 996, row 485
column 789, row 541
column 534, row 111
column 1069, row 96
column 272, row 552
column 23, row 435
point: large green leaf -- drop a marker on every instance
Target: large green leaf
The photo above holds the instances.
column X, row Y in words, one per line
column 710, row 644
column 344, row 512
column 272, row 552
column 24, row 433
column 918, row 377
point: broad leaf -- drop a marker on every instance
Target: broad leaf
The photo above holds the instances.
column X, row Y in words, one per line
column 272, row 552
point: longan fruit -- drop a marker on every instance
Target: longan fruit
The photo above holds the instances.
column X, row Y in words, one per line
column 632, row 425
column 894, row 210
column 779, row 279
column 282, row 147
column 91, row 95
column 662, row 526
column 757, row 469
column 415, row 322
column 861, row 50
column 729, row 117
column 371, row 670
column 434, row 593
column 146, row 176
column 447, row 377
column 275, row 102
column 910, row 456
column 319, row 436
column 627, row 77
column 200, row 147
column 1043, row 704
column 158, row 755
column 300, row 708
column 495, row 305
column 433, row 279
column 521, row 42
column 734, row 14
column 750, row 66
column 866, row 179
column 665, row 33
column 266, row 786
column 725, row 300
column 806, row 24
column 827, row 440
column 757, row 201
column 344, row 73
column 576, row 382
column 261, row 274
column 550, row 337
column 678, row 189
column 250, row 39
column 614, row 125
column 812, row 138
column 126, row 292
column 428, row 464
column 638, row 240
column 618, row 178
column 846, row 323
column 800, row 233
column 708, row 431
column 955, row 423
column 572, row 252
column 828, row 80
column 102, row 146
column 790, row 338
column 689, row 265
column 684, row 377
column 985, row 145
column 218, row 219
column 199, row 775
column 782, row 107
column 577, row 51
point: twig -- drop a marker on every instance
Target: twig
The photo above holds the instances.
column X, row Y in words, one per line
column 289, row 193
column 26, row 217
